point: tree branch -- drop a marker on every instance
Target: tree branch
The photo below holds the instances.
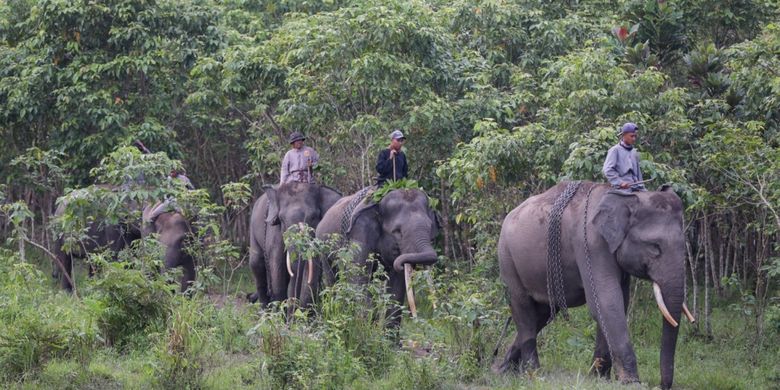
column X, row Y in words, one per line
column 56, row 261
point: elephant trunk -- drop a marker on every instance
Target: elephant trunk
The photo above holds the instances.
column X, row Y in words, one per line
column 419, row 249
column 422, row 258
column 672, row 298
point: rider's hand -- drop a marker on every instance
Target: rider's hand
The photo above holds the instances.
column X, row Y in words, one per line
column 625, row 185
column 393, row 152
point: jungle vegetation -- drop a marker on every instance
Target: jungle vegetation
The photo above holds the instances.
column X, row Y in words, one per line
column 499, row 100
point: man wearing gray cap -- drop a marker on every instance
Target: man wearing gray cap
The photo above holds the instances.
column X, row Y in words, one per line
column 391, row 162
column 621, row 168
column 299, row 161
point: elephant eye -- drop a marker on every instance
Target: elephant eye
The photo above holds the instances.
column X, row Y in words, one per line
column 655, row 250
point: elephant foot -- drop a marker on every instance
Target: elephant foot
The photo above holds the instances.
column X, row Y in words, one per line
column 601, row 367
column 251, row 297
column 254, row 297
column 500, row 367
column 627, row 378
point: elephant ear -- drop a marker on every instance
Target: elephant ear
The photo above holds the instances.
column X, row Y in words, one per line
column 328, row 197
column 613, row 217
column 273, row 205
column 365, row 207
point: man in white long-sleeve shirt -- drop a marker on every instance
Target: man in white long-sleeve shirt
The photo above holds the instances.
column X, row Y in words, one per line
column 299, row 161
column 621, row 168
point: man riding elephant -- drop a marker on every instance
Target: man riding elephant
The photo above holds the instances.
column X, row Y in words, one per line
column 299, row 162
column 621, row 167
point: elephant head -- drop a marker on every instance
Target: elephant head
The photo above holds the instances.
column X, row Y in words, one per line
column 276, row 211
column 408, row 226
column 294, row 203
column 645, row 235
column 399, row 228
column 173, row 231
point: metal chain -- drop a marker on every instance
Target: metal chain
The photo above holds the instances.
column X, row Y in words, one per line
column 555, row 288
column 347, row 215
column 599, row 318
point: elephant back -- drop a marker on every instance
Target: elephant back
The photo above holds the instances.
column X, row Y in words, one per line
column 351, row 208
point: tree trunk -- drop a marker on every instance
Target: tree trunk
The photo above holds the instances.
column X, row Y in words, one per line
column 705, row 239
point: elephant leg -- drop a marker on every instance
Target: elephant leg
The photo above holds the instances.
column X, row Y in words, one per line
column 396, row 287
column 175, row 256
column 294, row 287
column 67, row 264
column 277, row 276
column 530, row 318
column 602, row 361
column 610, row 315
column 188, row 277
column 279, row 279
column 329, row 270
column 310, row 291
column 257, row 265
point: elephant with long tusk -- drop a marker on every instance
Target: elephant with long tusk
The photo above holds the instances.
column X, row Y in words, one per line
column 278, row 209
column 603, row 238
column 400, row 228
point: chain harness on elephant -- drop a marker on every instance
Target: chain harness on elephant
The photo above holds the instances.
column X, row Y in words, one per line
column 555, row 287
column 346, row 216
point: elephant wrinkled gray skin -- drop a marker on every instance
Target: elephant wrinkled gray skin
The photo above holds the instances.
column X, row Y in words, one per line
column 400, row 229
column 115, row 237
column 639, row 234
column 272, row 214
column 173, row 230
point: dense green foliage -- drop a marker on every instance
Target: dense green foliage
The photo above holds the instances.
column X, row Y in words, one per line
column 498, row 100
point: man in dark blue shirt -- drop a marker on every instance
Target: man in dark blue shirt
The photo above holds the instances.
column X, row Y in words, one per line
column 391, row 162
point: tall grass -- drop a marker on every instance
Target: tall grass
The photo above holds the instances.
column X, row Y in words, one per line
column 48, row 339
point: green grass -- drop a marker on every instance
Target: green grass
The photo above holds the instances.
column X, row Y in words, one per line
column 218, row 341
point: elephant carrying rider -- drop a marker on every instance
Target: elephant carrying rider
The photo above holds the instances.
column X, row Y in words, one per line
column 391, row 162
column 621, row 167
column 299, row 162
column 178, row 179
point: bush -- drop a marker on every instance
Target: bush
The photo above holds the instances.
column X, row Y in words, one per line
column 301, row 356
column 35, row 325
column 127, row 302
column 183, row 353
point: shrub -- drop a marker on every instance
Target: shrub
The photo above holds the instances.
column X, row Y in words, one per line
column 35, row 325
column 127, row 302
column 183, row 353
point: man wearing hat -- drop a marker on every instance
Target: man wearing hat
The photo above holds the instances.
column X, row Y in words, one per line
column 391, row 162
column 621, row 167
column 299, row 161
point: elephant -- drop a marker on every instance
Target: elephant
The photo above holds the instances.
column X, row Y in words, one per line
column 114, row 236
column 606, row 236
column 400, row 228
column 272, row 214
column 173, row 231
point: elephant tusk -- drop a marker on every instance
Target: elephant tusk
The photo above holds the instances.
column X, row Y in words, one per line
column 311, row 272
column 688, row 314
column 289, row 266
column 409, row 289
column 659, row 299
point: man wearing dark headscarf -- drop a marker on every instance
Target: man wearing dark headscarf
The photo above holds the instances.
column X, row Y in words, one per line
column 621, row 167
